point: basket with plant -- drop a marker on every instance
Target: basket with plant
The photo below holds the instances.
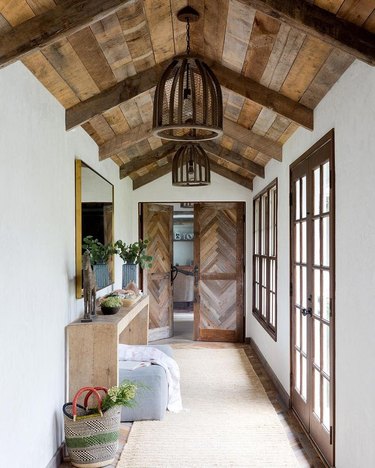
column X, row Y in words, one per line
column 91, row 433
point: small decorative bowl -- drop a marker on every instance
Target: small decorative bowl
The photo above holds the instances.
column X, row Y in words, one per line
column 109, row 310
column 129, row 301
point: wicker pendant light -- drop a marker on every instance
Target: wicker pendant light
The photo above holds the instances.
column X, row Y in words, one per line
column 191, row 166
column 188, row 103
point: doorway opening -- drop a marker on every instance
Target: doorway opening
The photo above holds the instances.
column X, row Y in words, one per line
column 196, row 282
column 183, row 271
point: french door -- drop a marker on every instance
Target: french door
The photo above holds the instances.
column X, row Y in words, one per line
column 312, row 293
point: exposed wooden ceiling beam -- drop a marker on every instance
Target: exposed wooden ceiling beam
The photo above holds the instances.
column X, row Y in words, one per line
column 112, row 97
column 260, row 143
column 321, row 24
column 233, row 176
column 140, row 162
column 233, row 158
column 124, row 140
column 137, row 84
column 151, row 176
column 265, row 145
column 166, row 168
column 218, row 152
column 262, row 95
column 45, row 29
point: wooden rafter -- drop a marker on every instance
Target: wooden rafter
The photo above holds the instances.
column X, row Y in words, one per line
column 219, row 154
column 322, row 24
column 167, row 167
column 233, row 176
column 260, row 143
column 125, row 140
column 43, row 30
column 262, row 95
column 234, row 158
column 153, row 175
column 265, row 145
column 112, row 97
column 145, row 160
column 133, row 86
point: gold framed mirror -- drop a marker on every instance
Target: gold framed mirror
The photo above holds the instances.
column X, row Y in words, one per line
column 94, row 216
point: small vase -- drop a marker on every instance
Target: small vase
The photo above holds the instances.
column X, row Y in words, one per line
column 101, row 275
column 129, row 273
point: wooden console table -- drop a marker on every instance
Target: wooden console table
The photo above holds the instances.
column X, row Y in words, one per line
column 93, row 347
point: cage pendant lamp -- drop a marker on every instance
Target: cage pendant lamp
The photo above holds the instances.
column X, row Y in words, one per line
column 188, row 103
column 191, row 166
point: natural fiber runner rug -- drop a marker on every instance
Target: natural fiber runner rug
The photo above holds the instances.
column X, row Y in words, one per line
column 229, row 420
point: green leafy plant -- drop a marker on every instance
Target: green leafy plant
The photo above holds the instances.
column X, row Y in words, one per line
column 120, row 396
column 134, row 253
column 112, row 301
column 99, row 253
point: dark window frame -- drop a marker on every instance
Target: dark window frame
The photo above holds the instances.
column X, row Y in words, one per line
column 264, row 315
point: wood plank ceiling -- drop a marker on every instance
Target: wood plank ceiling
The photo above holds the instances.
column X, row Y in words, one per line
column 104, row 68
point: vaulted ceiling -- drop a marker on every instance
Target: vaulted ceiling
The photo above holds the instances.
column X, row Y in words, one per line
column 275, row 60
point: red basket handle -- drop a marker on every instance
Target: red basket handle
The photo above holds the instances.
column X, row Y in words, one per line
column 89, row 393
column 92, row 390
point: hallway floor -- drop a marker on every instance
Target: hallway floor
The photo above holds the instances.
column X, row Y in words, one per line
column 303, row 449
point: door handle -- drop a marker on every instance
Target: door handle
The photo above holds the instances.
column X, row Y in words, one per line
column 307, row 311
column 174, row 273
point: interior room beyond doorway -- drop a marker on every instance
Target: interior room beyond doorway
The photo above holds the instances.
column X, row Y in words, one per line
column 183, row 271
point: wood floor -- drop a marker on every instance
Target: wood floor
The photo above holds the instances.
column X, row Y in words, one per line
column 303, row 449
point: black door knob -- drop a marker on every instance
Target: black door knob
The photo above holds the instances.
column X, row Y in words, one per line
column 307, row 311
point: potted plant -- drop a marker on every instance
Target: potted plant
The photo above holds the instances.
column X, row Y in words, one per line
column 132, row 255
column 111, row 305
column 99, row 256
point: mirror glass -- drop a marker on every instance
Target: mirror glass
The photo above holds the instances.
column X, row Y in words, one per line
column 94, row 217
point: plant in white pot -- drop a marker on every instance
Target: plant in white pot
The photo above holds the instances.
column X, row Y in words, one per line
column 99, row 256
column 132, row 255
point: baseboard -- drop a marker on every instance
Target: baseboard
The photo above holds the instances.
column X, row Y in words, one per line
column 279, row 387
column 58, row 458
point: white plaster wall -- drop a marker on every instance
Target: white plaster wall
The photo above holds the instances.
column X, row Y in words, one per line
column 37, row 262
column 349, row 108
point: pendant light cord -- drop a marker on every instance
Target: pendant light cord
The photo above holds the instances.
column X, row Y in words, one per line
column 187, row 36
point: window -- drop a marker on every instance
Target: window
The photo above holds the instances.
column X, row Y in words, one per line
column 265, row 258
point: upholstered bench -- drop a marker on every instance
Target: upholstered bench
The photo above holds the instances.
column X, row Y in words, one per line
column 151, row 401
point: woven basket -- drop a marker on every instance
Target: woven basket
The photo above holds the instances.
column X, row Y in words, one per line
column 91, row 439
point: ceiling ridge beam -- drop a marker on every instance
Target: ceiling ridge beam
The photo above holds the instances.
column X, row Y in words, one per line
column 233, row 157
column 148, row 79
column 43, row 30
column 139, row 162
column 322, row 24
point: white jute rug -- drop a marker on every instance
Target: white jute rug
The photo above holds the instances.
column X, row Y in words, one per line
column 228, row 422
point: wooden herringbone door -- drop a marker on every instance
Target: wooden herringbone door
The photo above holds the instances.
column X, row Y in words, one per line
column 219, row 270
column 157, row 227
